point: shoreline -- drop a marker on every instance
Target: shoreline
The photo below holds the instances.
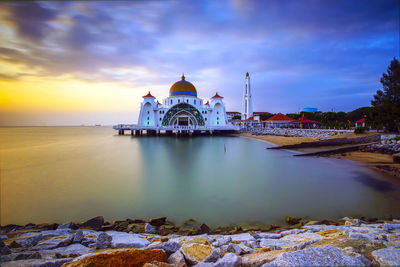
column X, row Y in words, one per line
column 348, row 241
column 382, row 163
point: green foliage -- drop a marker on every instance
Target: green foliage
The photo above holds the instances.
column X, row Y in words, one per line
column 265, row 116
column 387, row 101
column 359, row 130
column 237, row 117
column 294, row 116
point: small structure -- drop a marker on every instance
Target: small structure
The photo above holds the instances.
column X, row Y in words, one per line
column 231, row 114
column 278, row 121
column 360, row 123
column 304, row 122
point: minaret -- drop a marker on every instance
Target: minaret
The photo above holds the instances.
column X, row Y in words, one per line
column 247, row 110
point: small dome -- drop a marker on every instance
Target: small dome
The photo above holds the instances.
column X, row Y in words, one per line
column 182, row 87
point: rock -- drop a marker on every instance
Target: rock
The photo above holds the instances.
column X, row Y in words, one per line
column 78, row 236
column 362, row 236
column 69, row 225
column 390, row 226
column 245, row 237
column 323, row 256
column 224, row 240
column 353, row 222
column 124, row 226
column 135, row 228
column 4, row 258
column 268, row 235
column 158, row 221
column 54, row 242
column 214, row 256
column 94, row 223
column 103, row 241
column 119, row 258
column 387, row 256
column 169, row 247
column 235, row 249
column 121, row 239
column 149, row 229
column 274, row 244
column 394, row 239
column 195, row 253
column 37, row 263
column 24, row 240
column 107, row 227
column 26, row 256
column 71, row 251
column 292, row 220
column 204, row 229
column 258, row 259
column 158, row 264
column 176, row 258
column 299, row 238
column 4, row 250
column 229, row 260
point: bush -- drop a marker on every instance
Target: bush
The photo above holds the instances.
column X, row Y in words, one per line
column 359, row 130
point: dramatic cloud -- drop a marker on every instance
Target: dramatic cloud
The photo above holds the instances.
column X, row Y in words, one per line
column 327, row 54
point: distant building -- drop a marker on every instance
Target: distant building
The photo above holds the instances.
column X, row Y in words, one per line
column 309, row 110
column 231, row 114
column 247, row 111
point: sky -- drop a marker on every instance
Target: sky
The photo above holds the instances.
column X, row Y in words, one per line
column 74, row 63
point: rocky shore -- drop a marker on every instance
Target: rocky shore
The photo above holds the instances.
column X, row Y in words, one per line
column 320, row 134
column 159, row 242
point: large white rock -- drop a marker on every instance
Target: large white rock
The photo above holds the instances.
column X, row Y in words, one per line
column 176, row 258
column 300, row 238
column 245, row 237
column 322, row 256
column 74, row 250
column 268, row 235
column 121, row 239
column 53, row 242
column 387, row 256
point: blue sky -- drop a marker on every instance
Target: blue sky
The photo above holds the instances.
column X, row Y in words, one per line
column 325, row 54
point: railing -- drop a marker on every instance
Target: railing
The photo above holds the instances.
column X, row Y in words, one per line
column 174, row 127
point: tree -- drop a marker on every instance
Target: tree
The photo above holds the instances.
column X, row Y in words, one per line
column 387, row 101
column 237, row 117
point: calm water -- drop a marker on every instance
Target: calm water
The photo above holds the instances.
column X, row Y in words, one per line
column 59, row 174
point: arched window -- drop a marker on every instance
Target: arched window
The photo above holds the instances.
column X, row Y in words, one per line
column 179, row 101
column 148, row 112
column 187, row 100
column 194, row 101
column 171, row 101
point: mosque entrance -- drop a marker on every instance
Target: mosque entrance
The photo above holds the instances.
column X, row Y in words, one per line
column 183, row 118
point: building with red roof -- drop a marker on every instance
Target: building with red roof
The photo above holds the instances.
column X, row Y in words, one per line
column 278, row 120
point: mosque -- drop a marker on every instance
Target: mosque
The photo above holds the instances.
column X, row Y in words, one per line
column 181, row 112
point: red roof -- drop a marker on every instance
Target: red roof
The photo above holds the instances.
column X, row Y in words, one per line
column 148, row 95
column 304, row 120
column 279, row 117
column 206, row 103
column 361, row 120
column 250, row 118
column 217, row 96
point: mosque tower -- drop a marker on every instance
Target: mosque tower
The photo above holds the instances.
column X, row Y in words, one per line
column 247, row 110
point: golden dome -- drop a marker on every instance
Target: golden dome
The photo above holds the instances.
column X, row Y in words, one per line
column 182, row 87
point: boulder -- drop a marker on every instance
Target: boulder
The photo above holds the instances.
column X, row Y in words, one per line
column 4, row 250
column 169, row 247
column 71, row 251
column 274, row 244
column 121, row 239
column 37, row 263
column 25, row 241
column 195, row 253
column 204, row 229
column 69, row 225
column 119, row 258
column 391, row 226
column 323, row 256
column 176, row 258
column 245, row 237
column 292, row 220
column 29, row 255
column 135, row 228
column 78, row 236
column 94, row 223
column 387, row 256
column 229, row 260
column 158, row 221
column 158, row 264
column 269, row 235
column 149, row 229
column 103, row 241
column 258, row 259
column 54, row 242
